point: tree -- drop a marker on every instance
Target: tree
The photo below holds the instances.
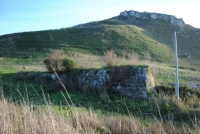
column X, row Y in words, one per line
column 55, row 60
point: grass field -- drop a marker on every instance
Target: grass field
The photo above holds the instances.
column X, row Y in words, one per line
column 27, row 107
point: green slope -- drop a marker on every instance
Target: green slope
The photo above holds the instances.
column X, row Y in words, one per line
column 121, row 34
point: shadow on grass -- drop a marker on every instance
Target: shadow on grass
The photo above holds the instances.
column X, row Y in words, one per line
column 38, row 92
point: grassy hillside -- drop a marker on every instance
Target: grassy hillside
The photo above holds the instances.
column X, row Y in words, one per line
column 132, row 39
column 152, row 39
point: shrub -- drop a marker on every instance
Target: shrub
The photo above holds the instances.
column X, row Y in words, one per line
column 110, row 59
column 55, row 60
column 68, row 64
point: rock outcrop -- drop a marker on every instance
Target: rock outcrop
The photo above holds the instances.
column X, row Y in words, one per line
column 148, row 16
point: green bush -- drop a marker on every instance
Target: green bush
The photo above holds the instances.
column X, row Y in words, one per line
column 68, row 64
column 53, row 64
column 65, row 64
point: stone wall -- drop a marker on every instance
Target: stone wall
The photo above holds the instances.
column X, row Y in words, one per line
column 127, row 80
column 130, row 81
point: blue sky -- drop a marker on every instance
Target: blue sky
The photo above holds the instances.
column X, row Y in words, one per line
column 34, row 15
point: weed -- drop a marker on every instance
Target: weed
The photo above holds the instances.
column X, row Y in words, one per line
column 110, row 58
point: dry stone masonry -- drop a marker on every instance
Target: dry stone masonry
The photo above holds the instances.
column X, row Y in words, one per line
column 130, row 81
column 127, row 80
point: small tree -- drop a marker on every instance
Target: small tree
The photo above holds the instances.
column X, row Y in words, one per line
column 110, row 58
column 68, row 64
column 55, row 60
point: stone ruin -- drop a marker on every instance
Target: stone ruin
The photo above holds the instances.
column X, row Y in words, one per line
column 129, row 81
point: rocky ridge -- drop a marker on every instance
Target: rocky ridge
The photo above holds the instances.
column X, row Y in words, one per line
column 153, row 16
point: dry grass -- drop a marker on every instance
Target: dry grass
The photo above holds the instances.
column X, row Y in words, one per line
column 20, row 118
column 25, row 118
column 91, row 61
column 110, row 58
column 86, row 61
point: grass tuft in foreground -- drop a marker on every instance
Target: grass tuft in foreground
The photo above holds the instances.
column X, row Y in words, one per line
column 26, row 117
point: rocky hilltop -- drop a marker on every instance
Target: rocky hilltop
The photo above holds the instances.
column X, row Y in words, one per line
column 153, row 16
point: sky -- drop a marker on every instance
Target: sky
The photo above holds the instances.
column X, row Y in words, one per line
column 34, row 15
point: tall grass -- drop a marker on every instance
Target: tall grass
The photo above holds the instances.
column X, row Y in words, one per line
column 22, row 118
column 26, row 117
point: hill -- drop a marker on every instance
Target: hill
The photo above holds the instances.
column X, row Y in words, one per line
column 143, row 33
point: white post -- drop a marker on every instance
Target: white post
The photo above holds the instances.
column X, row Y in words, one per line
column 176, row 62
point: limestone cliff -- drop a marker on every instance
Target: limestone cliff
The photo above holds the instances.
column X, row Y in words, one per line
column 153, row 16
